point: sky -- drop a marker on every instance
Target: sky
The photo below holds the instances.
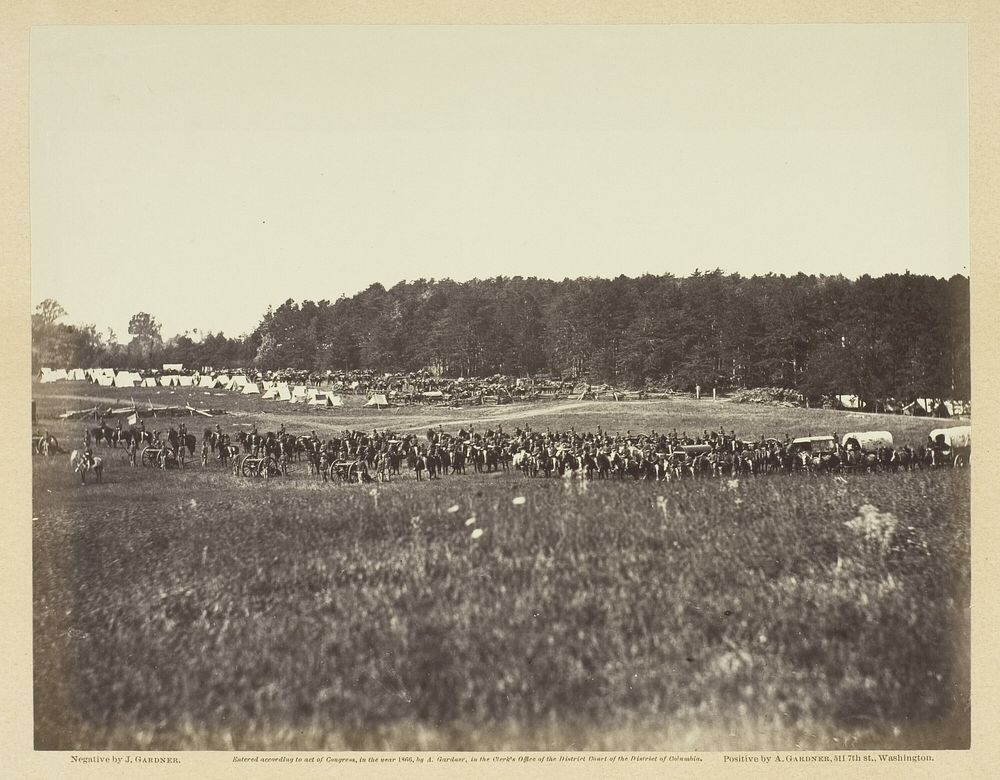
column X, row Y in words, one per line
column 202, row 174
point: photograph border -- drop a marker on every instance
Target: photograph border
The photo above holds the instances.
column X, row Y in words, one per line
column 982, row 18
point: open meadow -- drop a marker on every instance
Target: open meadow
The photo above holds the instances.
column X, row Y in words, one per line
column 197, row 610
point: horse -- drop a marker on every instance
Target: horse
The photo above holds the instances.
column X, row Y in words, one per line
column 603, row 463
column 457, row 461
column 492, row 458
column 189, row 441
column 743, row 464
column 521, row 461
column 432, row 464
column 543, row 462
column 81, row 466
column 102, row 433
column 227, row 451
column 905, row 459
column 444, row 457
column 415, row 461
column 703, row 465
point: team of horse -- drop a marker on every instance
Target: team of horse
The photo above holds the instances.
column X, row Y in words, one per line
column 384, row 455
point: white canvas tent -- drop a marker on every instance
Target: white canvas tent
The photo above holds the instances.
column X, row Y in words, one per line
column 127, row 379
column 48, row 375
column 270, row 394
column 849, row 401
column 379, row 401
column 185, row 381
column 148, row 382
column 950, row 408
column 320, row 399
column 105, row 380
column 250, row 388
column 172, row 368
column 76, row 375
column 222, row 380
column 284, row 394
column 206, row 381
column 168, row 381
column 920, row 407
column 237, row 382
column 336, row 400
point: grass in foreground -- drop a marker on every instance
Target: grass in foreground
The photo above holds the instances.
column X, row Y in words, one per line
column 769, row 613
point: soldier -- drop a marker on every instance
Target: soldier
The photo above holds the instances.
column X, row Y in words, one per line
column 204, row 452
column 88, row 455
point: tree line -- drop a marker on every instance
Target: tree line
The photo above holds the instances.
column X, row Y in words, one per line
column 898, row 335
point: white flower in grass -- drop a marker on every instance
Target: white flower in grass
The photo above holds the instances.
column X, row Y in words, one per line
column 732, row 484
column 477, row 533
column 453, row 508
column 471, row 520
column 874, row 526
column 519, row 500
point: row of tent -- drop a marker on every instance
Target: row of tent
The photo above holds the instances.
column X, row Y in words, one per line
column 282, row 391
column 55, row 375
column 918, row 407
column 268, row 390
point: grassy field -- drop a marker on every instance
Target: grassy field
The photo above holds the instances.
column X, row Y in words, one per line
column 198, row 610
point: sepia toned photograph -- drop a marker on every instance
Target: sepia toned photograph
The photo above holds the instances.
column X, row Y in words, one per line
column 500, row 388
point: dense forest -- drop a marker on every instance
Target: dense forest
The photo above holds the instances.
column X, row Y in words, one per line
column 898, row 336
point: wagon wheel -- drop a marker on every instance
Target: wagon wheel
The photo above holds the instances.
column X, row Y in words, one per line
column 268, row 467
column 248, row 466
column 149, row 456
column 960, row 461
